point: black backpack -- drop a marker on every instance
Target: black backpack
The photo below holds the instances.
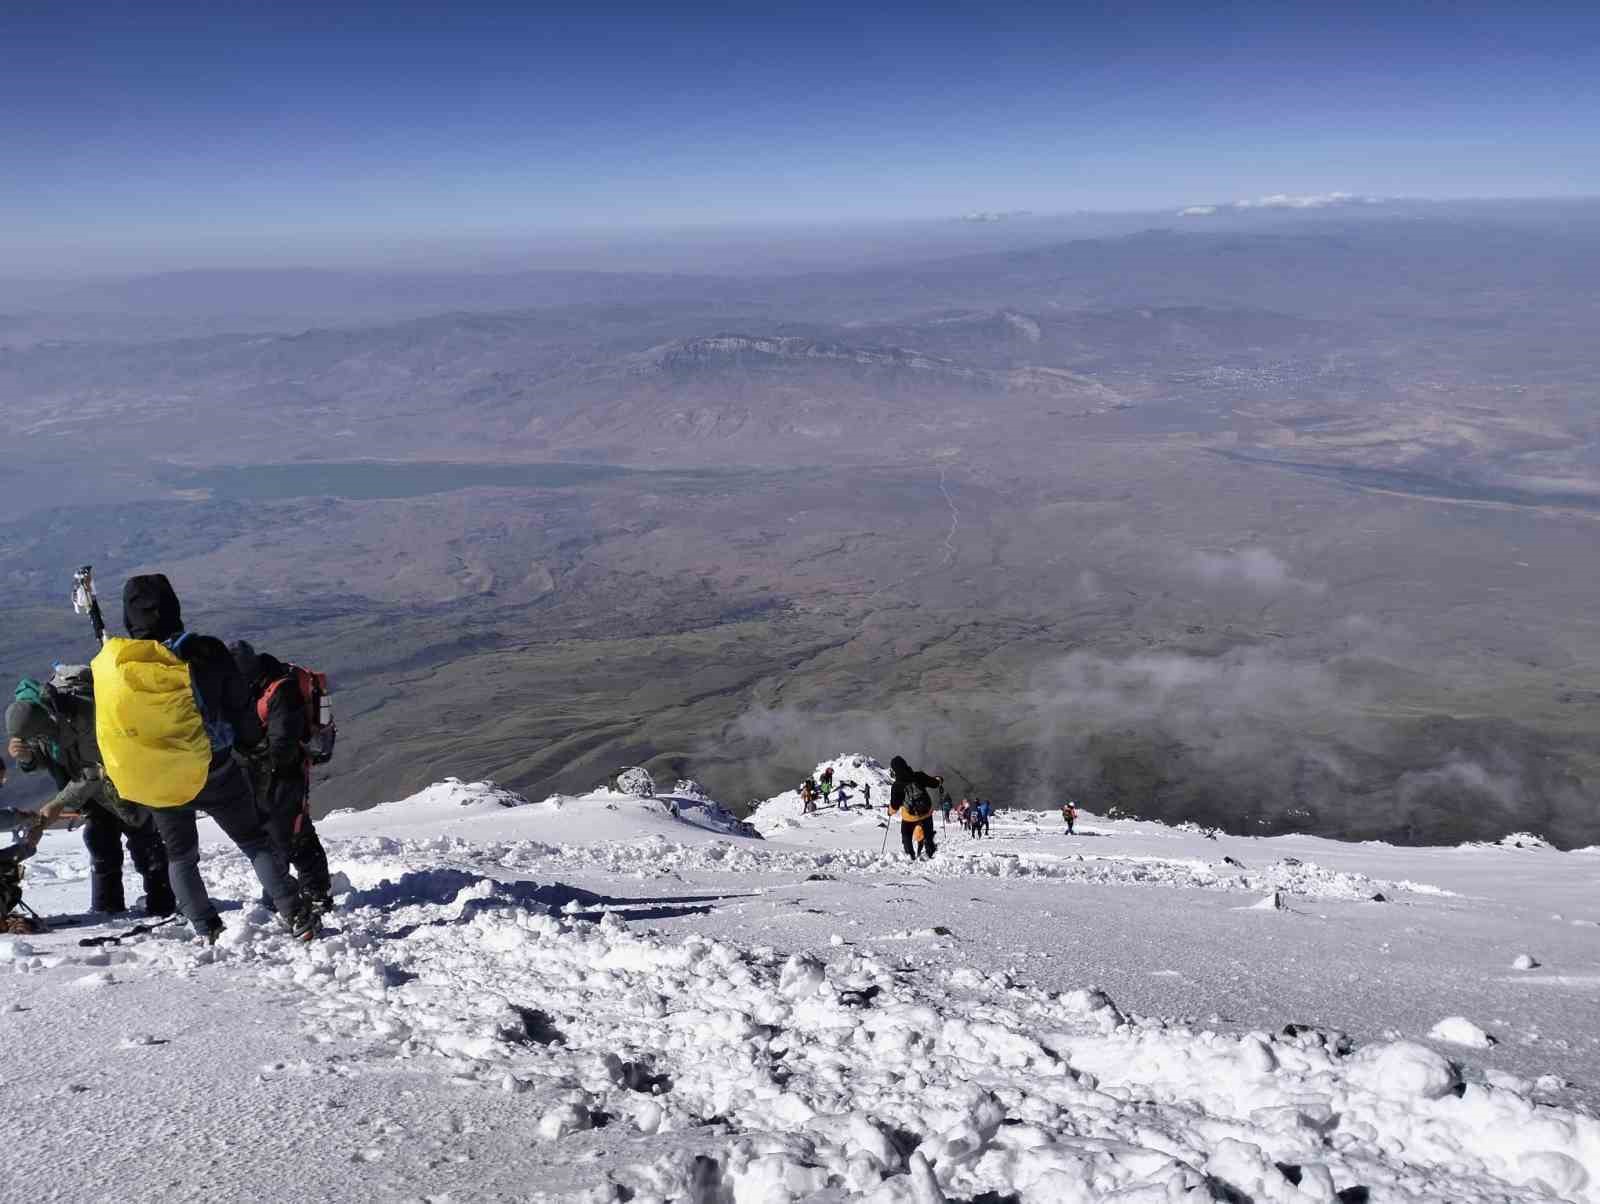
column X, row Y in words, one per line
column 69, row 690
column 74, row 683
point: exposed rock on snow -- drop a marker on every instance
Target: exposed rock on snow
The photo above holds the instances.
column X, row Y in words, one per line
column 1524, row 840
column 633, row 780
column 1516, row 840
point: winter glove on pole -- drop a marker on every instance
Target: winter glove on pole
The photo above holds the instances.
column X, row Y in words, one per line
column 84, row 601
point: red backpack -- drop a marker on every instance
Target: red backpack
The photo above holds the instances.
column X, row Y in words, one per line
column 317, row 701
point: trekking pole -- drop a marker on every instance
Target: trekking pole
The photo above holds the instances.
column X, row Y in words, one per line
column 885, row 847
column 37, row 918
column 84, row 601
column 971, row 785
column 94, row 942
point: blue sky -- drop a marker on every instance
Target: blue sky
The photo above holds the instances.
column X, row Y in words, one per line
column 257, row 131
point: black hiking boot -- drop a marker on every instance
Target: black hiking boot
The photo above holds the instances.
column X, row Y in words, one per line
column 211, row 930
column 305, row 921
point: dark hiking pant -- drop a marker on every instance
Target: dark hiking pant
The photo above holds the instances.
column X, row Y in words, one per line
column 284, row 812
column 908, row 836
column 226, row 798
column 103, row 834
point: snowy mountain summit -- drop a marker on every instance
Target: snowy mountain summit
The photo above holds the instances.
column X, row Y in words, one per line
column 617, row 996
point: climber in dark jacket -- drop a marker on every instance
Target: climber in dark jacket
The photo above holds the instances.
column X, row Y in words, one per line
column 150, row 611
column 281, row 775
column 908, row 794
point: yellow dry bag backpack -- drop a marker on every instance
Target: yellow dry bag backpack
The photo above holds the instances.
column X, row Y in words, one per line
column 153, row 738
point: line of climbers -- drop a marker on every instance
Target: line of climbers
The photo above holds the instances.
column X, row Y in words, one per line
column 974, row 815
column 832, row 793
column 910, row 797
column 166, row 724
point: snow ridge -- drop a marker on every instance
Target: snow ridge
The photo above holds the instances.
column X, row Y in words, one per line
column 850, row 1074
column 497, row 1010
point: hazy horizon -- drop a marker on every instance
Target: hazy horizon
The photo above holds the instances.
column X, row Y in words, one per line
column 735, row 248
column 246, row 134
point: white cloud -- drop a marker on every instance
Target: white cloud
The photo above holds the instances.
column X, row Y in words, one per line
column 1281, row 200
column 1256, row 568
column 1284, row 200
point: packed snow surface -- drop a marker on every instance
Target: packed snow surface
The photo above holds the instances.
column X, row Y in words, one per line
column 609, row 997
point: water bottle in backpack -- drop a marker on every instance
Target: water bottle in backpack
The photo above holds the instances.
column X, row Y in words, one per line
column 323, row 733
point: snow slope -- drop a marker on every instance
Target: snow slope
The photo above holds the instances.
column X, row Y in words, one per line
column 603, row 997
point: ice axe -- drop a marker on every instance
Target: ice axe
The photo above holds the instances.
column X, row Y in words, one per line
column 84, row 601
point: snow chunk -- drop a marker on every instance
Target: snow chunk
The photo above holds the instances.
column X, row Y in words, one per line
column 1403, row 1070
column 1562, row 1174
column 564, row 1119
column 801, row 976
column 453, row 792
column 1525, row 961
column 1458, row 1030
column 15, row 951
